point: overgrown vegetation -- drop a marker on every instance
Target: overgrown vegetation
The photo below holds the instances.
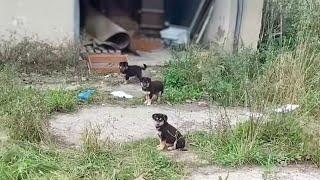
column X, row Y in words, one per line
column 30, row 161
column 284, row 70
column 31, row 56
column 279, row 141
column 22, row 110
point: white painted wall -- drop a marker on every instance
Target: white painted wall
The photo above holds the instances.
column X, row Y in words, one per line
column 55, row 21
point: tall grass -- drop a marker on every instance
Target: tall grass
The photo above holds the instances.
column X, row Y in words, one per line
column 140, row 159
column 22, row 110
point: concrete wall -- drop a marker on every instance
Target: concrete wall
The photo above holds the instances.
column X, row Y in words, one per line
column 223, row 21
column 50, row 20
column 251, row 23
column 222, row 24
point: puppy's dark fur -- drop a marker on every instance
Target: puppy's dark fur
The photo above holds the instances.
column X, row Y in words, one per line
column 155, row 89
column 169, row 136
column 131, row 71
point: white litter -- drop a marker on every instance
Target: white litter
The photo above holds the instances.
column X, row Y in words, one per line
column 254, row 115
column 121, row 94
column 176, row 34
column 286, row 108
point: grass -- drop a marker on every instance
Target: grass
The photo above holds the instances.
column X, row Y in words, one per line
column 60, row 100
column 25, row 110
column 29, row 56
column 22, row 110
column 196, row 73
column 31, row 161
column 279, row 141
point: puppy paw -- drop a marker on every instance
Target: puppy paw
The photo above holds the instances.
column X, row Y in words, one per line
column 148, row 103
column 171, row 148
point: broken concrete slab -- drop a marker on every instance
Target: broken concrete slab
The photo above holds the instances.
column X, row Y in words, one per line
column 127, row 124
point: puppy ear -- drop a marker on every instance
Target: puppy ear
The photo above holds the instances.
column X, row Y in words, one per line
column 154, row 116
column 165, row 117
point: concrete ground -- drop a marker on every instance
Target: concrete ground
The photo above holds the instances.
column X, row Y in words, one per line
column 135, row 122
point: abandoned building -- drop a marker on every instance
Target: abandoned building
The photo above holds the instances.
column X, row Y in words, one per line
column 231, row 23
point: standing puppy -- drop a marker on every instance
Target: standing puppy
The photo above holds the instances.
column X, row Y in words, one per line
column 131, row 71
column 154, row 88
column 169, row 136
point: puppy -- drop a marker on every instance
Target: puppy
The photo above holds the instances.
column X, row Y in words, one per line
column 131, row 71
column 170, row 138
column 154, row 88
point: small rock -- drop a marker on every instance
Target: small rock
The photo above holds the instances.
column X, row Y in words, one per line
column 188, row 101
column 73, row 83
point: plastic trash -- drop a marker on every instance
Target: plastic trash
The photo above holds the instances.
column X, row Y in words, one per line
column 85, row 96
column 121, row 94
column 254, row 115
column 176, row 34
column 286, row 108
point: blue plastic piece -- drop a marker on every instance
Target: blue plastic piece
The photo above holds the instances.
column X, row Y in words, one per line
column 84, row 96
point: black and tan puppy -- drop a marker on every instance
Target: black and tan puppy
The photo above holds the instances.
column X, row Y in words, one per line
column 153, row 88
column 170, row 138
column 131, row 71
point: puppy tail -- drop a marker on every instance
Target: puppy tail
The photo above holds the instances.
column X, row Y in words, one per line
column 144, row 67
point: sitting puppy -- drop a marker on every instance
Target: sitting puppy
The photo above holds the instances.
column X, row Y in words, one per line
column 154, row 88
column 131, row 71
column 169, row 136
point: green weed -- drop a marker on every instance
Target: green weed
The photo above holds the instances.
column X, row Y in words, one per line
column 278, row 141
column 60, row 100
column 22, row 110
